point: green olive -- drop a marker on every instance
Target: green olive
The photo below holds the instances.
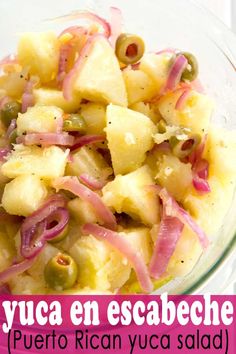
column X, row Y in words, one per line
column 60, row 237
column 10, row 111
column 161, row 126
column 184, row 148
column 74, row 123
column 61, row 272
column 129, row 48
column 13, row 136
column 191, row 72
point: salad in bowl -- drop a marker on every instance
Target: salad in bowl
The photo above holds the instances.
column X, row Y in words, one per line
column 112, row 177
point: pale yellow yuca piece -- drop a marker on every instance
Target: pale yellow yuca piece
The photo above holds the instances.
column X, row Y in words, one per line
column 195, row 114
column 148, row 110
column 23, row 195
column 37, row 269
column 209, row 209
column 220, row 151
column 140, row 239
column 129, row 194
column 94, row 115
column 24, row 284
column 53, row 97
column 157, row 68
column 7, row 251
column 186, row 254
column 39, row 119
column 100, row 266
column 46, row 163
column 39, row 52
column 88, row 160
column 174, row 175
column 13, row 84
column 82, row 211
column 139, row 86
column 100, row 78
column 129, row 136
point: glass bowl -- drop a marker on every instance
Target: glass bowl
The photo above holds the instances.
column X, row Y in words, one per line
column 170, row 23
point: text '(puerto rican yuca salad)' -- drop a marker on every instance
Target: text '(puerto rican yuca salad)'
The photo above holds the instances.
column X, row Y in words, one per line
column 112, row 179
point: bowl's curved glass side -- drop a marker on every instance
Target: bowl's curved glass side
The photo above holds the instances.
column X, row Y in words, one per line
column 162, row 24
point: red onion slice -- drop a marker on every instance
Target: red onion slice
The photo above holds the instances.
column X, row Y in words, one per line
column 28, row 97
column 61, row 217
column 46, row 139
column 182, row 100
column 9, row 59
column 67, row 48
column 200, row 184
column 92, row 182
column 87, row 140
column 4, row 152
column 201, row 168
column 175, row 73
column 11, row 128
column 73, row 185
column 116, row 24
column 198, row 152
column 91, row 17
column 169, row 233
column 15, row 269
column 54, row 202
column 173, row 209
column 166, row 50
column 34, row 239
column 124, row 247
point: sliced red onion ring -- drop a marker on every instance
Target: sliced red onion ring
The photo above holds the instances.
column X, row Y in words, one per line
column 176, row 72
column 46, row 139
column 54, row 202
column 124, row 247
column 11, row 128
column 92, row 182
column 15, row 269
column 61, row 217
column 66, row 49
column 3, row 153
column 166, row 50
column 182, row 100
column 200, row 184
column 198, row 152
column 67, row 87
column 35, row 227
column 9, row 59
column 73, row 185
column 87, row 140
column 116, row 24
column 169, row 233
column 75, row 31
column 27, row 97
column 95, row 19
column 34, row 239
column 201, row 168
column 163, row 147
column 173, row 209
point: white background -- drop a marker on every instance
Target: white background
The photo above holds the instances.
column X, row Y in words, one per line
column 224, row 9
